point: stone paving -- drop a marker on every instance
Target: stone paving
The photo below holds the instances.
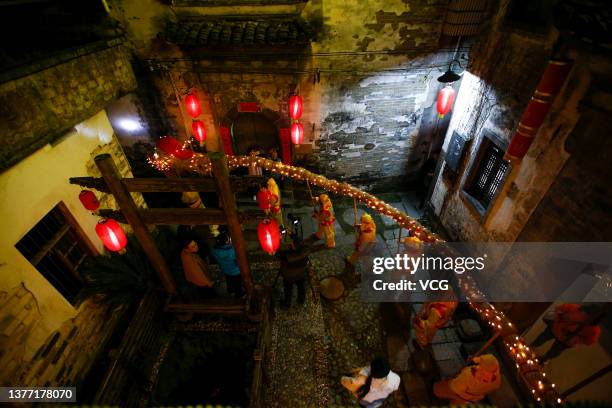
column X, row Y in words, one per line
column 315, row 344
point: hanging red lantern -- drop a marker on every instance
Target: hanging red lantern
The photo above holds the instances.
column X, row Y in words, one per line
column 192, row 104
column 199, row 131
column 446, row 98
column 89, row 200
column 263, row 199
column 295, row 107
column 111, row 234
column 171, row 145
column 269, row 235
column 297, row 133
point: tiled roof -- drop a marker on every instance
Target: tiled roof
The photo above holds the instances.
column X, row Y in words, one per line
column 250, row 33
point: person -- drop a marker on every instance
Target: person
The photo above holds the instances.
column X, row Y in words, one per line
column 275, row 202
column 431, row 317
column 294, row 270
column 372, row 384
column 254, row 169
column 195, row 269
column 326, row 218
column 223, row 252
column 569, row 325
column 192, row 199
column 365, row 240
column 472, row 383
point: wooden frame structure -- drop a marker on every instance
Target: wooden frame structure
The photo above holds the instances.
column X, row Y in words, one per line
column 139, row 219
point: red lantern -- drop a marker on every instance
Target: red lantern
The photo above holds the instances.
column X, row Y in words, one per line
column 263, row 199
column 446, row 98
column 89, row 200
column 297, row 133
column 172, row 146
column 111, row 234
column 199, row 131
column 295, row 107
column 193, row 105
column 269, row 235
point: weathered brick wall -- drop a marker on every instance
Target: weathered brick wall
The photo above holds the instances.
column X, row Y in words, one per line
column 490, row 102
column 372, row 108
column 362, row 114
column 66, row 355
column 40, row 107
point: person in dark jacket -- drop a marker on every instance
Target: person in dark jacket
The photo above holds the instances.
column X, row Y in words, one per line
column 224, row 254
column 294, row 270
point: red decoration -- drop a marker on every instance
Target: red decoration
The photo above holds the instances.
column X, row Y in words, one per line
column 89, row 200
column 171, row 145
column 554, row 76
column 111, row 234
column 446, row 98
column 248, row 107
column 199, row 131
column 263, row 199
column 295, row 107
column 192, row 104
column 285, row 139
column 269, row 235
column 226, row 139
column 534, row 115
column 297, row 133
column 519, row 145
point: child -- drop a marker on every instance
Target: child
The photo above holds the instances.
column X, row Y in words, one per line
column 224, row 254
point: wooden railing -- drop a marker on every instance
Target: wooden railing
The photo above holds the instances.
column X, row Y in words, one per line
column 126, row 378
column 260, row 382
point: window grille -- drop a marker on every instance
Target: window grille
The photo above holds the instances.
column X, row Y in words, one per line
column 490, row 175
column 57, row 250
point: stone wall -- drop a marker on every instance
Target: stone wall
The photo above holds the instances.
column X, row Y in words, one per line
column 40, row 107
column 67, row 354
column 490, row 102
column 368, row 81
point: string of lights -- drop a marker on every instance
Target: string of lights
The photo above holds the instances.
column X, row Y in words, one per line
column 528, row 368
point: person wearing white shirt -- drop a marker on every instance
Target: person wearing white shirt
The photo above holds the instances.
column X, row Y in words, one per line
column 372, row 384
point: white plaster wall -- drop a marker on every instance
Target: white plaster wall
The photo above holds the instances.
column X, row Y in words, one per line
column 28, row 191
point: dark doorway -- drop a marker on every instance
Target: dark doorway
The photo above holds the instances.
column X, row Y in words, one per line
column 253, row 129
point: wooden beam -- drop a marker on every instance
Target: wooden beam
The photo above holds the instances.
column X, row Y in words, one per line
column 165, row 185
column 130, row 211
column 228, row 201
column 183, row 216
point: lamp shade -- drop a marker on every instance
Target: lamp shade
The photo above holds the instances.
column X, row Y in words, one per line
column 295, row 107
column 263, row 199
column 111, row 234
column 446, row 98
column 172, row 146
column 199, row 131
column 269, row 236
column 297, row 133
column 192, row 104
column 89, row 200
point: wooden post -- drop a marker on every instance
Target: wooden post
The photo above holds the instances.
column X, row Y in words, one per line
column 228, row 201
column 486, row 345
column 130, row 211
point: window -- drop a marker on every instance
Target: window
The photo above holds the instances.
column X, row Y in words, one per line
column 57, row 247
column 488, row 177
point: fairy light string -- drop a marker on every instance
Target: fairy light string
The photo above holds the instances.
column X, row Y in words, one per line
column 529, row 370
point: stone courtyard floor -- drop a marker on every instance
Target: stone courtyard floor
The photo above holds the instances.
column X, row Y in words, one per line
column 314, row 344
